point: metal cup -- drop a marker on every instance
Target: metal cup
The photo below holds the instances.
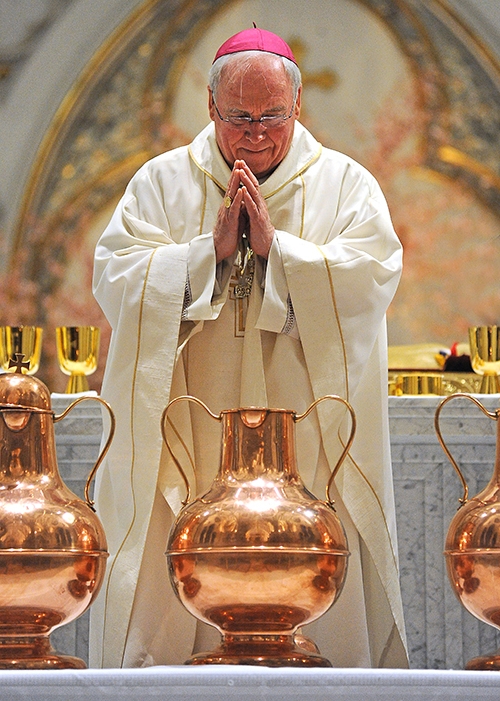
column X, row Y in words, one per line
column 484, row 344
column 426, row 383
column 23, row 345
column 77, row 353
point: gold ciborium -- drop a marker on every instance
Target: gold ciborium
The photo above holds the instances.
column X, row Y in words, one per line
column 258, row 555
column 472, row 548
column 21, row 340
column 420, row 383
column 52, row 545
column 484, row 344
column 77, row 353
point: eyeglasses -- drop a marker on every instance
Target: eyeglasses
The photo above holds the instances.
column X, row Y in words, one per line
column 274, row 120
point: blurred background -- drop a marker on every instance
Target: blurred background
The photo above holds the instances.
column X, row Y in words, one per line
column 89, row 90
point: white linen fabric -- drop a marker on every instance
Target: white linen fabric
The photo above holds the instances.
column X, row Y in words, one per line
column 314, row 324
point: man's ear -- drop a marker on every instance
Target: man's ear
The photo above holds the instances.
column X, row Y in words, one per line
column 211, row 106
column 296, row 111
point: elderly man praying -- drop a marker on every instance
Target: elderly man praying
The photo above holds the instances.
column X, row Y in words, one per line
column 251, row 268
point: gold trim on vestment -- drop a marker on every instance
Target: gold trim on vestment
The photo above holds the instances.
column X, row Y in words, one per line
column 132, row 434
column 204, row 205
column 203, row 170
column 274, row 192
column 303, row 213
column 374, row 491
column 332, row 292
column 360, row 471
column 298, row 173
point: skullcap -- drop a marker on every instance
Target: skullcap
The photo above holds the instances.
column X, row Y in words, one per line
column 255, row 39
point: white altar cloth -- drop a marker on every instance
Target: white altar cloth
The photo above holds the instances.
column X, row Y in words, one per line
column 228, row 683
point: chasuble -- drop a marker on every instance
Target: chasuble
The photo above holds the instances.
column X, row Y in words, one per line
column 280, row 333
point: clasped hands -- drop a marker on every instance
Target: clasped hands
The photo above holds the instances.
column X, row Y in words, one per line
column 247, row 214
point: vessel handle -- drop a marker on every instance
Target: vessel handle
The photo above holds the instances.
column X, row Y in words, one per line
column 105, row 449
column 337, row 398
column 189, row 398
column 443, row 445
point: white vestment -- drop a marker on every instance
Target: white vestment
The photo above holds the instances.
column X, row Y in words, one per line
column 314, row 324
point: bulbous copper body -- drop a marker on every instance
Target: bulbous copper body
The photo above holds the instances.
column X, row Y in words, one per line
column 52, row 545
column 258, row 555
column 472, row 547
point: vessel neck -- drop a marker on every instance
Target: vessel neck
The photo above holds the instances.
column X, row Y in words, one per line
column 27, row 447
column 258, row 443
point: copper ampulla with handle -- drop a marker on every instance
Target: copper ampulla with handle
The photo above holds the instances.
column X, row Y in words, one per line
column 258, row 555
column 52, row 545
column 472, row 547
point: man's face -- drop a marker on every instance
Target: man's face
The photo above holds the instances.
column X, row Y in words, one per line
column 256, row 89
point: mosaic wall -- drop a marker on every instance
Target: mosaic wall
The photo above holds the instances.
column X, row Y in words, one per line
column 400, row 85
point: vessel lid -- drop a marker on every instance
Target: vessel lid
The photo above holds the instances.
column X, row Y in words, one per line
column 23, row 392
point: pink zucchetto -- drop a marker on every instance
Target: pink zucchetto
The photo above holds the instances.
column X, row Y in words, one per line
column 255, row 40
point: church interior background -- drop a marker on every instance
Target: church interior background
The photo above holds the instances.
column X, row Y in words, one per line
column 91, row 90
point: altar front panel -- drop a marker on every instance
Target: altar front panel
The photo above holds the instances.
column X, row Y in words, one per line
column 441, row 633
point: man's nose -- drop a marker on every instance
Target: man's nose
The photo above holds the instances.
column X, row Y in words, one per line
column 255, row 131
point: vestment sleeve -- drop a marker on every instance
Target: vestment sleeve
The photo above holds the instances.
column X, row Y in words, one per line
column 353, row 267
column 139, row 226
column 276, row 312
column 207, row 284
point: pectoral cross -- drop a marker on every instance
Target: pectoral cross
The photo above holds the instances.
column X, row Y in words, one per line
column 18, row 363
column 240, row 308
column 240, row 287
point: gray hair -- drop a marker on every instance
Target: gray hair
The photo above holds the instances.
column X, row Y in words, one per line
column 217, row 67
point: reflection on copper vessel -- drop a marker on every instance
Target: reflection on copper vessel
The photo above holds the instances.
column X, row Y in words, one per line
column 52, row 546
column 258, row 555
column 472, row 548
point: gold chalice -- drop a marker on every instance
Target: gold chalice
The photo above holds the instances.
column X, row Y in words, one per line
column 484, row 344
column 77, row 352
column 20, row 341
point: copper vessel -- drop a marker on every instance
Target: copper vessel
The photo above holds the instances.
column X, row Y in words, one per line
column 52, row 545
column 258, row 555
column 472, row 548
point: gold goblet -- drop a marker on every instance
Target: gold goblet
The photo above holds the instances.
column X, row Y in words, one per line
column 77, row 352
column 484, row 344
column 20, row 341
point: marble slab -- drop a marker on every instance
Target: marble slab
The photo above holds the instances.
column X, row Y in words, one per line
column 78, row 438
column 241, row 683
column 441, row 633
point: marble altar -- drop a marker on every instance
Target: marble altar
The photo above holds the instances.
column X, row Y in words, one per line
column 441, row 633
column 249, row 684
